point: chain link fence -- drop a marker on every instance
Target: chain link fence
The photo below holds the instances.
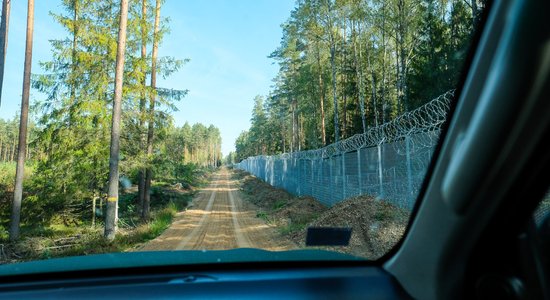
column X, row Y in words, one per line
column 388, row 161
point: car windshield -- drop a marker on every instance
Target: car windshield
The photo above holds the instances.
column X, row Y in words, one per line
column 146, row 125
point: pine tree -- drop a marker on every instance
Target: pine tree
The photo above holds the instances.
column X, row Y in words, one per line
column 111, row 215
column 4, row 25
column 377, row 59
column 151, row 121
column 22, row 145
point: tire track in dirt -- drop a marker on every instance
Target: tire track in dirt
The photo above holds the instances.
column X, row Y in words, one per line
column 208, row 210
column 219, row 219
column 242, row 240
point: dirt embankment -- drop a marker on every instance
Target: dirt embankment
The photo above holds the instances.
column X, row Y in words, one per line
column 376, row 225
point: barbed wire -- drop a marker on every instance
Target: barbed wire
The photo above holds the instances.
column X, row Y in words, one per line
column 388, row 161
column 426, row 118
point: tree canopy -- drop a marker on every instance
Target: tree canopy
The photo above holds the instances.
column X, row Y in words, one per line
column 347, row 65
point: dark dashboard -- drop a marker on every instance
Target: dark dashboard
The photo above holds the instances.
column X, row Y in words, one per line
column 301, row 274
column 308, row 283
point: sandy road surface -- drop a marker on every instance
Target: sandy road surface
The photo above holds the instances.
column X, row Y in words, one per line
column 218, row 219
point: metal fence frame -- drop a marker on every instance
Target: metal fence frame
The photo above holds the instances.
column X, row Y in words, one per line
column 388, row 161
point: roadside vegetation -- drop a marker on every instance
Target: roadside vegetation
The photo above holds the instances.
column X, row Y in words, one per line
column 58, row 236
column 101, row 129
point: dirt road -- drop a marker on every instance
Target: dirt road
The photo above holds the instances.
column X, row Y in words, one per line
column 219, row 219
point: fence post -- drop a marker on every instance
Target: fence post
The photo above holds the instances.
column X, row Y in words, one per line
column 359, row 180
column 298, row 169
column 343, row 176
column 283, row 173
column 330, row 181
column 271, row 170
column 320, row 180
column 312, row 178
column 380, row 176
column 266, row 174
column 409, row 168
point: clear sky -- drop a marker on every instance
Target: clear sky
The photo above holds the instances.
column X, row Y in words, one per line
column 228, row 42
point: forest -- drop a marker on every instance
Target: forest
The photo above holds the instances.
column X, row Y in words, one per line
column 348, row 65
column 102, row 124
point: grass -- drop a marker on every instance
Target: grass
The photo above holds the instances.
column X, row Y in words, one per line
column 263, row 215
column 163, row 219
column 279, row 204
column 291, row 228
column 58, row 240
column 89, row 240
column 7, row 173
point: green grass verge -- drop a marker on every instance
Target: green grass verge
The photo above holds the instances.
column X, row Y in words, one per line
column 57, row 240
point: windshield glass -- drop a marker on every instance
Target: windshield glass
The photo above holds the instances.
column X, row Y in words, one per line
column 280, row 125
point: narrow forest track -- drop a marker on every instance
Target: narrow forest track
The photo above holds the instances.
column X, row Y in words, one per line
column 218, row 219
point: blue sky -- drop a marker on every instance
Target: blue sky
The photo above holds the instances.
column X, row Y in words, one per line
column 227, row 41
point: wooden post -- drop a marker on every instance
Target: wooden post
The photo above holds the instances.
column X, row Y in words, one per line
column 93, row 210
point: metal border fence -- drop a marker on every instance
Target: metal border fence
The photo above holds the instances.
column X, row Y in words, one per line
column 388, row 161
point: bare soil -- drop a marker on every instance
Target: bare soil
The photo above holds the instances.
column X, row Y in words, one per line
column 219, row 219
column 376, row 225
column 287, row 212
column 237, row 210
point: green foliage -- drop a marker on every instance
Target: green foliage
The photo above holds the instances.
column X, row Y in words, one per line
column 279, row 204
column 58, row 240
column 7, row 180
column 185, row 151
column 263, row 215
column 163, row 219
column 7, row 175
column 70, row 137
column 388, row 57
column 291, row 228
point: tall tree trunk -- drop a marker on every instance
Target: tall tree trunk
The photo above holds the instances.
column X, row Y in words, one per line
column 301, row 134
column 385, row 50
column 401, row 57
column 321, row 97
column 74, row 64
column 475, row 13
column 334, row 95
column 73, row 54
column 293, row 106
column 4, row 26
column 332, row 46
column 344, row 83
column 13, row 149
column 142, row 102
column 150, row 131
column 359, row 73
column 19, row 173
column 374, row 97
column 112, row 199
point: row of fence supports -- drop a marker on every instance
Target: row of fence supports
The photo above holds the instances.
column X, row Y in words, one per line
column 291, row 173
